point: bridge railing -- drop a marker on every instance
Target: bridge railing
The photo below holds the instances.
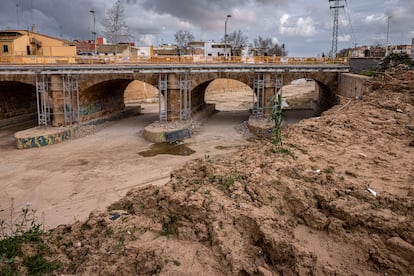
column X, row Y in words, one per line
column 170, row 60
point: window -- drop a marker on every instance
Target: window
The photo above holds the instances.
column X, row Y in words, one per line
column 5, row 48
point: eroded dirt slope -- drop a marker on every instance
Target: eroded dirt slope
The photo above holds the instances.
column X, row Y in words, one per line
column 257, row 212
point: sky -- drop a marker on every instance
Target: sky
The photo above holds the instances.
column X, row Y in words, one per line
column 304, row 26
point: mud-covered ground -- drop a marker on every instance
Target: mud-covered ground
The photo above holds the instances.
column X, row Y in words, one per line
column 341, row 204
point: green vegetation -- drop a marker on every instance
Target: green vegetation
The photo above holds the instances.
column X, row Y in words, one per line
column 169, row 226
column 395, row 60
column 276, row 116
column 19, row 232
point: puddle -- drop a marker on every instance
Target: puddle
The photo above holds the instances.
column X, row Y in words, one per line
column 167, row 148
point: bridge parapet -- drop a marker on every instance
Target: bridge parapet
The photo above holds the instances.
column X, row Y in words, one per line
column 276, row 60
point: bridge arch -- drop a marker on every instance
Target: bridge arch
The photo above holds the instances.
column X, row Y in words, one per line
column 228, row 94
column 102, row 98
column 326, row 87
column 17, row 102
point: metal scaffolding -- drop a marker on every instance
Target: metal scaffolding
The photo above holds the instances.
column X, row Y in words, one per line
column 185, row 97
column 42, row 98
column 278, row 87
column 71, row 104
column 259, row 91
column 278, row 83
column 163, row 90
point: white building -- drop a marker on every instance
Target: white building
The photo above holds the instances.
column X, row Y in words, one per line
column 215, row 49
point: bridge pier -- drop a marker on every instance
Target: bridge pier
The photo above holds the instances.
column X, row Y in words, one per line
column 177, row 97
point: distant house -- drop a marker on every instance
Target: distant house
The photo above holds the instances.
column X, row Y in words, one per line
column 196, row 48
column 400, row 49
column 216, row 49
column 166, row 50
column 123, row 50
column 27, row 43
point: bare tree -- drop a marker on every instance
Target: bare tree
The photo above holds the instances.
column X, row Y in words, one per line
column 266, row 47
column 115, row 28
column 183, row 38
column 237, row 41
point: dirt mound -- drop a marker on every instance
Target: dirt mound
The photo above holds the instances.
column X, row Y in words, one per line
column 341, row 204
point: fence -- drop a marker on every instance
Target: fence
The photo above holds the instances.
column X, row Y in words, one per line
column 169, row 60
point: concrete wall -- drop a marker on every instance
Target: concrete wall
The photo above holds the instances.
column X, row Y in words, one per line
column 352, row 85
column 361, row 64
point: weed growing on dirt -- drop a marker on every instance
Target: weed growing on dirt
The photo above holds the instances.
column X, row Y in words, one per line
column 169, row 226
column 207, row 158
column 17, row 232
column 226, row 182
column 328, row 170
column 276, row 116
column 303, row 151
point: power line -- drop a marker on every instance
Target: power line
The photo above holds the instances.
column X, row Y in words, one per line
column 335, row 26
column 350, row 22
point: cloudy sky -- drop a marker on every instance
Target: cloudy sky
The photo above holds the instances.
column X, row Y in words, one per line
column 304, row 26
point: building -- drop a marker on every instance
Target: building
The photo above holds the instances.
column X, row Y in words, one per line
column 215, row 49
column 196, row 48
column 120, row 50
column 83, row 47
column 399, row 49
column 18, row 43
column 166, row 50
column 145, row 51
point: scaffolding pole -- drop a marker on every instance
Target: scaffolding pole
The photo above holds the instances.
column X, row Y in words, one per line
column 259, row 90
column 185, row 97
column 42, row 99
column 163, row 90
column 278, row 84
column 71, row 104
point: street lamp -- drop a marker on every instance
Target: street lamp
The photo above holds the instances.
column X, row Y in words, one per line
column 225, row 34
column 94, row 29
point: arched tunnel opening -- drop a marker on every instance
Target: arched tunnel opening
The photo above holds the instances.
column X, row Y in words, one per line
column 139, row 92
column 223, row 96
column 143, row 94
column 18, row 106
column 121, row 95
column 305, row 98
column 103, row 99
column 229, row 95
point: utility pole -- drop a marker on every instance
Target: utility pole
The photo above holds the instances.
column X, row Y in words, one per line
column 94, row 31
column 388, row 34
column 335, row 26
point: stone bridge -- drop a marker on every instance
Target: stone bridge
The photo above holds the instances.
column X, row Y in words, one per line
column 70, row 94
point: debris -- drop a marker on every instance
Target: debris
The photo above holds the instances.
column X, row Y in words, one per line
column 318, row 171
column 399, row 110
column 114, row 216
column 374, row 193
column 362, row 155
